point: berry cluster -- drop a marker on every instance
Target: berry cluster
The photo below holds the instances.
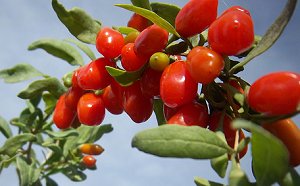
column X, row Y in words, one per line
column 175, row 77
column 89, row 151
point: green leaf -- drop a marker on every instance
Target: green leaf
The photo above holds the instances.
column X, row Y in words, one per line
column 87, row 134
column 204, row 182
column 177, row 48
column 158, row 107
column 220, row 165
column 271, row 36
column 58, row 48
column 5, row 161
column 18, row 73
column 50, row 102
column 156, row 19
column 292, row 178
column 78, row 22
column 13, row 144
column 180, row 141
column 123, row 77
column 237, row 176
column 125, row 30
column 166, row 11
column 141, row 3
column 28, row 173
column 50, row 182
column 84, row 48
column 62, row 134
column 73, row 174
column 52, row 85
column 56, row 152
column 4, row 128
column 266, row 149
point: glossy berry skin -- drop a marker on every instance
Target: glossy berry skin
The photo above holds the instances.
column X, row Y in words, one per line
column 191, row 114
column 232, row 33
column 91, row 149
column 90, row 109
column 236, row 8
column 138, row 22
column 109, row 42
column 89, row 161
column 204, row 64
column 138, row 106
column 288, row 132
column 74, row 78
column 94, row 76
column 150, row 82
column 63, row 116
column 130, row 60
column 113, row 98
column 275, row 94
column 72, row 97
column 195, row 17
column 152, row 39
column 177, row 87
column 159, row 61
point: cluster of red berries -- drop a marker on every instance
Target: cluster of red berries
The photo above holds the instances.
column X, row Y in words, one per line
column 173, row 78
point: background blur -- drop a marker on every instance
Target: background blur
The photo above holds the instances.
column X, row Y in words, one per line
column 24, row 21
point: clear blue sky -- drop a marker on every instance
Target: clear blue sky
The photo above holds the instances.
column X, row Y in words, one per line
column 22, row 22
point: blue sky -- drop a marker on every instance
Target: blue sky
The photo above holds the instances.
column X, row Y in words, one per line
column 23, row 22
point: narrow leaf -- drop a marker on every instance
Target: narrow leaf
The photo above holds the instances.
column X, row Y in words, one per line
column 166, row 11
column 180, row 141
column 14, row 143
column 159, row 111
column 292, row 178
column 52, row 85
column 204, row 182
column 73, row 174
column 62, row 134
column 92, row 134
column 141, row 3
column 58, row 48
column 220, row 165
column 50, row 182
column 237, row 176
column 266, row 149
column 18, row 73
column 83, row 47
column 78, row 22
column 123, row 77
column 28, row 173
column 125, row 30
column 156, row 19
column 56, row 152
column 4, row 128
column 272, row 34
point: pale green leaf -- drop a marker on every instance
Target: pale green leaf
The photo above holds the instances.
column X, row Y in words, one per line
column 266, row 149
column 78, row 22
column 18, row 73
column 84, row 48
column 180, row 141
column 13, row 144
column 58, row 48
column 156, row 19
column 4, row 128
column 52, row 85
column 123, row 77
column 166, row 11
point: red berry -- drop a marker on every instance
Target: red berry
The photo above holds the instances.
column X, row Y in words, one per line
column 90, row 109
column 63, row 116
column 131, row 61
column 232, row 33
column 138, row 106
column 138, row 22
column 195, row 17
column 191, row 114
column 152, row 39
column 109, row 42
column 89, row 161
column 94, row 76
column 204, row 64
column 177, row 87
column 150, row 82
column 275, row 94
column 113, row 98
